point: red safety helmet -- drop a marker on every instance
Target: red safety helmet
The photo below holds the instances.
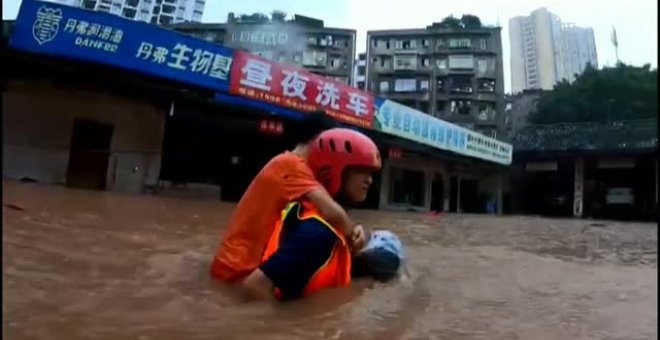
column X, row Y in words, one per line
column 336, row 149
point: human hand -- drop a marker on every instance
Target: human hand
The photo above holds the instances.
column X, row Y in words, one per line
column 357, row 237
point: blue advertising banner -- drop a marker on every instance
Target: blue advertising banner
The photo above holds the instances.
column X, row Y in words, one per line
column 65, row 31
column 405, row 122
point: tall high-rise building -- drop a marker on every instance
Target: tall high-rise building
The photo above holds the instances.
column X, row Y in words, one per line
column 153, row 11
column 454, row 74
column 544, row 51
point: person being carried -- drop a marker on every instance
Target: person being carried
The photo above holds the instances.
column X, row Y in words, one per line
column 285, row 178
column 307, row 253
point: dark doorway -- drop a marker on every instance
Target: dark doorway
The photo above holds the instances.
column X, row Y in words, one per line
column 470, row 201
column 89, row 154
column 437, row 193
column 453, row 194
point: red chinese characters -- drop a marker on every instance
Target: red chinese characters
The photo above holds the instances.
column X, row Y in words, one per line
column 291, row 87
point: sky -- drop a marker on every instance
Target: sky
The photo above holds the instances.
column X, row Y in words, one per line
column 636, row 21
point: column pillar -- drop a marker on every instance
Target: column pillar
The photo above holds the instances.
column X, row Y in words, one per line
column 446, row 191
column 656, row 182
column 458, row 194
column 578, row 204
column 499, row 194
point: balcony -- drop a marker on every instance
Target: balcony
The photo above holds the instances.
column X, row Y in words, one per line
column 405, row 62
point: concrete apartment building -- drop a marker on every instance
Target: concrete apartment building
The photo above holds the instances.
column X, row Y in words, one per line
column 544, row 50
column 452, row 74
column 299, row 41
column 154, row 11
column 360, row 74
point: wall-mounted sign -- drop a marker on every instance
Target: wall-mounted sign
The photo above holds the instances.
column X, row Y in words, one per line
column 295, row 88
column 405, row 122
column 271, row 127
column 395, row 153
column 53, row 29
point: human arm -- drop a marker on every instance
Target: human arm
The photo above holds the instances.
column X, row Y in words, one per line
column 330, row 210
column 299, row 182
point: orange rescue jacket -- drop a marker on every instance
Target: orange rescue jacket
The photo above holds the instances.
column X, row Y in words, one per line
column 336, row 272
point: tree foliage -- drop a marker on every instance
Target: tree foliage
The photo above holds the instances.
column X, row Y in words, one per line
column 467, row 21
column 616, row 93
column 278, row 16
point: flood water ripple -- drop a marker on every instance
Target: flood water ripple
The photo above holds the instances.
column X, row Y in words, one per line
column 97, row 265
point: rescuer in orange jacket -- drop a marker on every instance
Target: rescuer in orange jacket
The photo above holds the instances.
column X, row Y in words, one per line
column 305, row 253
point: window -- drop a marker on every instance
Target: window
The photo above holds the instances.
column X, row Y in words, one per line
column 461, row 84
column 335, row 62
column 405, row 62
column 426, row 43
column 441, row 63
column 465, row 62
column 164, row 20
column 424, row 85
column 461, row 107
column 486, row 112
column 460, row 43
column 297, row 58
column 482, row 66
column 384, row 86
column 440, row 85
column 89, row 4
column 314, row 58
column 398, row 44
column 374, row 43
column 405, row 85
column 486, row 85
column 129, row 13
column 409, row 44
column 440, row 43
column 482, row 44
column 168, row 9
column 426, row 62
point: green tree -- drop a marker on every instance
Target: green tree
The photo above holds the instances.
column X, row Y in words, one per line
column 278, row 16
column 451, row 22
column 470, row 21
column 622, row 92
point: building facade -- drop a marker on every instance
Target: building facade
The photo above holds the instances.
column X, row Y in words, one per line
column 452, row 74
column 360, row 74
column 300, row 41
column 154, row 11
column 519, row 108
column 597, row 170
column 544, row 50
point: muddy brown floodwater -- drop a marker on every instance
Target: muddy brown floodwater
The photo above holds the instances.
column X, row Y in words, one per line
column 97, row 265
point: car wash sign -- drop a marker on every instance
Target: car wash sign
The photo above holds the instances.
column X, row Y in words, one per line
column 295, row 88
column 70, row 32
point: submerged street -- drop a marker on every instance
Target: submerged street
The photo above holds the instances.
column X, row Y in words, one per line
column 85, row 264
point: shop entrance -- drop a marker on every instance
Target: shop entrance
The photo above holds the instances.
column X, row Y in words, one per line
column 89, row 154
